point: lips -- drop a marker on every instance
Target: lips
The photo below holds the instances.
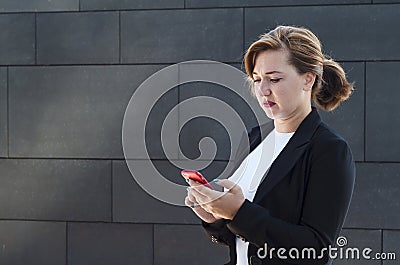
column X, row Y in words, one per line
column 269, row 104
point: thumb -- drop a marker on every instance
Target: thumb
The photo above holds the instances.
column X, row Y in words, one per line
column 230, row 185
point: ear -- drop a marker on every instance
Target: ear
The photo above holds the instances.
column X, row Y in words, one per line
column 309, row 79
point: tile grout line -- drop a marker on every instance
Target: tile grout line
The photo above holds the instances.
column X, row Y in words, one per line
column 66, row 243
column 179, row 109
column 199, row 8
column 365, row 111
column 36, row 49
column 71, row 222
column 162, row 63
column 8, row 111
column 112, row 195
column 121, row 159
column 153, row 241
column 243, row 30
column 119, row 37
column 157, row 159
column 381, row 245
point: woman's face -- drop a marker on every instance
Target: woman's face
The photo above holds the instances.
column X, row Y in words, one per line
column 280, row 90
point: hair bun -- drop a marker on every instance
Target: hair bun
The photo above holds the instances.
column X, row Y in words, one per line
column 334, row 87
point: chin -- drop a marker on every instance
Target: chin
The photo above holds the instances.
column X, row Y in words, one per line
column 275, row 116
column 269, row 114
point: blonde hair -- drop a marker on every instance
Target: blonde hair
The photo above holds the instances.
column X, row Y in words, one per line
column 305, row 54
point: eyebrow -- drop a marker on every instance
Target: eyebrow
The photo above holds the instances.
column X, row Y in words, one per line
column 268, row 73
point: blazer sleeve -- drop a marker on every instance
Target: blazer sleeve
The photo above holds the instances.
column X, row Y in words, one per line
column 327, row 198
column 220, row 234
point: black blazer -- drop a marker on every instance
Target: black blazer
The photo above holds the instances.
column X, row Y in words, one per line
column 303, row 199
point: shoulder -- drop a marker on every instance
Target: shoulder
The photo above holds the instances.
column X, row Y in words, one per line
column 328, row 141
column 324, row 134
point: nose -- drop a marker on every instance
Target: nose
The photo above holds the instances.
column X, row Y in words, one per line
column 263, row 88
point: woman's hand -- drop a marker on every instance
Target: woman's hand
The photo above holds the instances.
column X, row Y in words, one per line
column 218, row 204
column 200, row 212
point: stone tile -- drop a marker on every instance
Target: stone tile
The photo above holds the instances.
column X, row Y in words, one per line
column 131, row 203
column 65, row 190
column 208, row 109
column 391, row 244
column 34, row 243
column 360, row 27
column 17, row 39
column 78, row 38
column 3, row 113
column 358, row 240
column 127, row 4
column 167, row 36
column 211, row 125
column 382, row 119
column 375, row 201
column 258, row 3
column 348, row 118
column 117, row 244
column 78, row 111
column 172, row 245
column 38, row 5
column 385, row 1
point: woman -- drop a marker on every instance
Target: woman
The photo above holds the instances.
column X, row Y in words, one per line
column 297, row 195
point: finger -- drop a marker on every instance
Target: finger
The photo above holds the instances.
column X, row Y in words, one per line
column 191, row 197
column 227, row 184
column 198, row 197
column 188, row 202
column 206, row 191
column 193, row 183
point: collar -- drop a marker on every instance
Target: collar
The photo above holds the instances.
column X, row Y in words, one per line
column 291, row 152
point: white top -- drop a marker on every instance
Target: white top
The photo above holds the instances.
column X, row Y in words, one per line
column 250, row 172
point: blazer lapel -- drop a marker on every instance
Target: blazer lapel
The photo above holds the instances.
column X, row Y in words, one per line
column 290, row 154
column 249, row 142
column 263, row 131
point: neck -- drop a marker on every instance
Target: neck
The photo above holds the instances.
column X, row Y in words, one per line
column 290, row 124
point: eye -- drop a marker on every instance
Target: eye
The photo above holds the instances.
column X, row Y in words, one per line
column 256, row 81
column 275, row 80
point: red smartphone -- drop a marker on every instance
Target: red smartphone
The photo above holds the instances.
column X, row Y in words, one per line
column 196, row 176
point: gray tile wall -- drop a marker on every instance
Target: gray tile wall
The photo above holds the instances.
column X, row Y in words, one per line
column 251, row 3
column 77, row 38
column 33, row 242
column 175, row 237
column 53, row 109
column 128, row 4
column 3, row 113
column 17, row 38
column 357, row 32
column 179, row 35
column 107, row 243
column 68, row 69
column 38, row 5
column 63, row 190
column 381, row 126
